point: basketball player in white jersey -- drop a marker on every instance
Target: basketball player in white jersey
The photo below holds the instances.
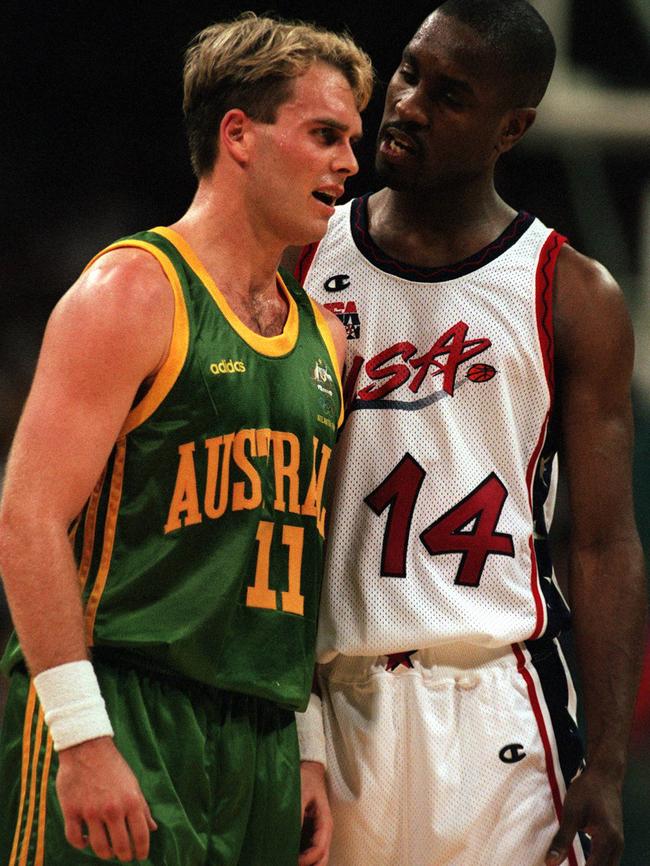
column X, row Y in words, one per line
column 480, row 346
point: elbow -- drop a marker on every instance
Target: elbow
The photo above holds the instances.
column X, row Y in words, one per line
column 8, row 539
column 16, row 530
column 617, row 561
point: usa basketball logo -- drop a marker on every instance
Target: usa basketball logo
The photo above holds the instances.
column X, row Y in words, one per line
column 349, row 315
column 481, row 373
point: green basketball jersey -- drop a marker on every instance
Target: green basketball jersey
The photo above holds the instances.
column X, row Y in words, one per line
column 200, row 550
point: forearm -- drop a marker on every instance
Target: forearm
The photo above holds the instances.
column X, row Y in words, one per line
column 608, row 597
column 42, row 588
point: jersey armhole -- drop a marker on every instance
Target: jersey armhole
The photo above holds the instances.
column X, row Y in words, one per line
column 544, row 301
column 168, row 373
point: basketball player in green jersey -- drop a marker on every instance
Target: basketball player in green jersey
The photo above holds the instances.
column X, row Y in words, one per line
column 166, row 496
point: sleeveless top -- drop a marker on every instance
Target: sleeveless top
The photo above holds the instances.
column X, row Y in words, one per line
column 445, row 469
column 200, row 549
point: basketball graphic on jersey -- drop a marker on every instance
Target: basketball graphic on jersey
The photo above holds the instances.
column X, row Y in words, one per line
column 481, row 373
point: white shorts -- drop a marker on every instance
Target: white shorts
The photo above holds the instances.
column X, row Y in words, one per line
column 454, row 756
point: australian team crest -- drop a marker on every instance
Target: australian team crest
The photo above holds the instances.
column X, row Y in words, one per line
column 324, row 382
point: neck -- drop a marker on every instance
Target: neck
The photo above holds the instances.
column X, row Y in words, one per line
column 231, row 248
column 437, row 226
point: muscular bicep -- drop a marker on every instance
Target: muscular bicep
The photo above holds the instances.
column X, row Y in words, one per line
column 105, row 337
column 594, row 359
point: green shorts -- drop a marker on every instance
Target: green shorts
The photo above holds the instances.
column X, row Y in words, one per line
column 219, row 770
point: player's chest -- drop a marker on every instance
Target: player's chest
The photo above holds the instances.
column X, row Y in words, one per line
column 420, row 343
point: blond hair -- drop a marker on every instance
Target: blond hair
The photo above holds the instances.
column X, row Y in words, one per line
column 250, row 63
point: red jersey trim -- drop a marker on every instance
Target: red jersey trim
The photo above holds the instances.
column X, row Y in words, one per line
column 544, row 313
column 305, row 259
column 546, row 742
column 544, row 302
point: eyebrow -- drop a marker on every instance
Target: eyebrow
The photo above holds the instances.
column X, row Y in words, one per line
column 446, row 80
column 456, row 84
column 407, row 54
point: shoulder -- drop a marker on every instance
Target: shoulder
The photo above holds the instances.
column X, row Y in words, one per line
column 121, row 296
column 123, row 275
column 580, row 276
column 589, row 306
column 331, row 318
column 122, row 287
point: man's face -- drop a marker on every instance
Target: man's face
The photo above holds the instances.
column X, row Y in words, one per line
column 444, row 109
column 302, row 160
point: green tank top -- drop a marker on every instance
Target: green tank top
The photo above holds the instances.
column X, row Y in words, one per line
column 200, row 549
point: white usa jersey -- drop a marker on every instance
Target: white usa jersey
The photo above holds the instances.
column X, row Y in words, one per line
column 445, row 469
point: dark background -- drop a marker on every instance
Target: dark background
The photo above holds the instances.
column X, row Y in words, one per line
column 92, row 148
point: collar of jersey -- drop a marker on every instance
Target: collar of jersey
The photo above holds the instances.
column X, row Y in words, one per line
column 274, row 347
column 385, row 262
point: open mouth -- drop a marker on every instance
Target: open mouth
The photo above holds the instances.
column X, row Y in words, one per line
column 398, row 142
column 325, row 197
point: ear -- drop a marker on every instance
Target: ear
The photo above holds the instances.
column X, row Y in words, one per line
column 514, row 126
column 234, row 135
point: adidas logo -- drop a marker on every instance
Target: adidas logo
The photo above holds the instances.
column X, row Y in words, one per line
column 227, row 366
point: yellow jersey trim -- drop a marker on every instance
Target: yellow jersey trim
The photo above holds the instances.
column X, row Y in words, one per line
column 326, row 335
column 170, row 370
column 272, row 347
column 24, row 768
column 42, row 803
column 29, row 824
column 90, row 526
column 110, row 525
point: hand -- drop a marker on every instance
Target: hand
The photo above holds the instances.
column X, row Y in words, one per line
column 316, row 816
column 593, row 804
column 102, row 803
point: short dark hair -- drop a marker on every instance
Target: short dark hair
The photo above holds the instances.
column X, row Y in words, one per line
column 519, row 38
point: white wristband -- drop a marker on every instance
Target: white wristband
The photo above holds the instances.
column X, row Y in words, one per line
column 73, row 706
column 311, row 733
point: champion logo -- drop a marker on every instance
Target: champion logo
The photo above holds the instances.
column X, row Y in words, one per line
column 512, row 753
column 337, row 283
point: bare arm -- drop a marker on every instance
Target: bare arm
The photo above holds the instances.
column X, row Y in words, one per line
column 92, row 362
column 315, row 808
column 594, row 352
column 316, row 813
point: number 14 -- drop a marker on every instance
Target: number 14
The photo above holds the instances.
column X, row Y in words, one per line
column 479, row 510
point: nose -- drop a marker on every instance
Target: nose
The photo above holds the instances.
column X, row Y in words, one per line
column 408, row 105
column 345, row 161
